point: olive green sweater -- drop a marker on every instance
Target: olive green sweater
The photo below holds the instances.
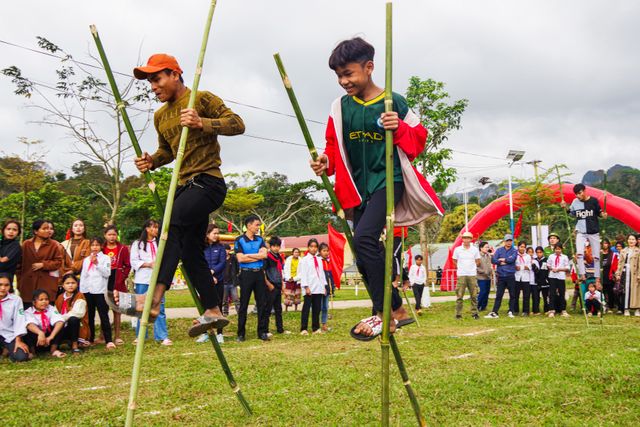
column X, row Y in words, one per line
column 202, row 151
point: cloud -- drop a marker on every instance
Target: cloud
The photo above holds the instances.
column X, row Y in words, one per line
column 557, row 79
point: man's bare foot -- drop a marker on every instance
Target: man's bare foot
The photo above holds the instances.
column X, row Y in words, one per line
column 140, row 299
column 400, row 314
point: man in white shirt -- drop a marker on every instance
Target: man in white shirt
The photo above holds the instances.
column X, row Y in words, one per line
column 417, row 278
column 466, row 259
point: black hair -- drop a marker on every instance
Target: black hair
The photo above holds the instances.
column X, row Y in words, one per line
column 590, row 285
column 11, row 221
column 275, row 241
column 37, row 224
column 352, row 50
column 250, row 219
column 530, row 247
column 144, row 236
column 98, row 239
column 621, row 244
column 5, row 276
column 39, row 292
column 522, row 242
column 312, row 240
column 109, row 228
column 294, row 249
column 322, row 246
column 417, row 257
column 539, row 248
column 482, row 245
column 558, row 246
column 169, row 71
column 578, row 188
column 74, row 277
column 227, row 247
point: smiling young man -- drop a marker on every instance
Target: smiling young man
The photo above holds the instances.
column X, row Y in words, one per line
column 355, row 154
column 201, row 187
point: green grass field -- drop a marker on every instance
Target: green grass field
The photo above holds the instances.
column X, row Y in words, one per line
column 182, row 297
column 524, row 371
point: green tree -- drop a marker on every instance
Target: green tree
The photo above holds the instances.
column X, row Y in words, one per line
column 81, row 104
column 441, row 117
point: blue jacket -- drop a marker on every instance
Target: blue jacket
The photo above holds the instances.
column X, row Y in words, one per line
column 216, row 257
column 509, row 269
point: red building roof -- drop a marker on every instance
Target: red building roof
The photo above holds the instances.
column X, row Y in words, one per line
column 300, row 242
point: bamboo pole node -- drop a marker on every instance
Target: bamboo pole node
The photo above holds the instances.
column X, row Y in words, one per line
column 93, row 29
column 199, row 71
column 407, row 382
column 120, row 105
column 132, row 406
column 286, row 82
column 152, row 186
column 340, row 213
column 165, row 235
column 236, row 389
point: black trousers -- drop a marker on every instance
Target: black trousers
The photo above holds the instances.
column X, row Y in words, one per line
column 534, row 298
column 557, row 289
column 71, row 330
column 219, row 288
column 593, row 306
column 545, row 298
column 252, row 281
column 31, row 340
column 503, row 284
column 274, row 302
column 97, row 301
column 313, row 302
column 522, row 287
column 192, row 205
column 14, row 356
column 607, row 290
column 369, row 222
column 417, row 293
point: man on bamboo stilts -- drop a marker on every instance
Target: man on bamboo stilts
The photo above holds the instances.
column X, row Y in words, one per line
column 201, row 187
column 355, row 154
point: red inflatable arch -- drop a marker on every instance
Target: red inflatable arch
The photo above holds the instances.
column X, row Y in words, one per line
column 622, row 209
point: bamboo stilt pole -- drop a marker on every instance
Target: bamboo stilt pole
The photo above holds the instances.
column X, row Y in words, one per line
column 137, row 364
column 388, row 265
column 160, row 210
column 340, row 213
column 573, row 249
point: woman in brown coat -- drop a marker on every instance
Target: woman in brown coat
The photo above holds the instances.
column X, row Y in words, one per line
column 41, row 262
column 76, row 247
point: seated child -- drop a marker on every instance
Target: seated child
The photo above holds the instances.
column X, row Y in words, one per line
column 44, row 325
column 72, row 305
column 593, row 300
column 12, row 323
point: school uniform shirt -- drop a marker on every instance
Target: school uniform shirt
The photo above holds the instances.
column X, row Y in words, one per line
column 587, row 213
column 95, row 277
column 466, row 260
column 70, row 308
column 541, row 271
column 45, row 320
column 522, row 261
column 138, row 256
column 597, row 295
column 13, row 322
column 556, row 261
column 312, row 274
column 417, row 275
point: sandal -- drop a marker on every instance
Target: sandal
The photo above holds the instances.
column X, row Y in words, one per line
column 58, row 354
column 206, row 323
column 405, row 322
column 110, row 346
column 376, row 326
column 118, row 341
column 126, row 303
column 76, row 351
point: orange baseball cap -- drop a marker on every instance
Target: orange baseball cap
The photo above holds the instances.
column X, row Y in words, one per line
column 156, row 63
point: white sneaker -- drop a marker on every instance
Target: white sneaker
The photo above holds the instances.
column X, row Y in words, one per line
column 637, row 313
column 626, row 313
column 305, row 332
column 203, row 338
column 491, row 315
column 510, row 314
column 551, row 314
column 269, row 335
column 166, row 342
column 565, row 314
column 220, row 338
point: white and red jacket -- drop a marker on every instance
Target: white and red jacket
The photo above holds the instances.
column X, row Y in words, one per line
column 419, row 201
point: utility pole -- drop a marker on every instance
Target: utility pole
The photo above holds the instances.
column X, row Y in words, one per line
column 538, row 214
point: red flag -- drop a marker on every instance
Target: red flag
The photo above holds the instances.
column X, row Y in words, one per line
column 336, row 252
column 409, row 258
column 518, row 228
column 574, row 275
column 229, row 227
column 401, row 232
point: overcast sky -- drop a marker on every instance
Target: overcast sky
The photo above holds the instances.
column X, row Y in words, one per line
column 560, row 80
